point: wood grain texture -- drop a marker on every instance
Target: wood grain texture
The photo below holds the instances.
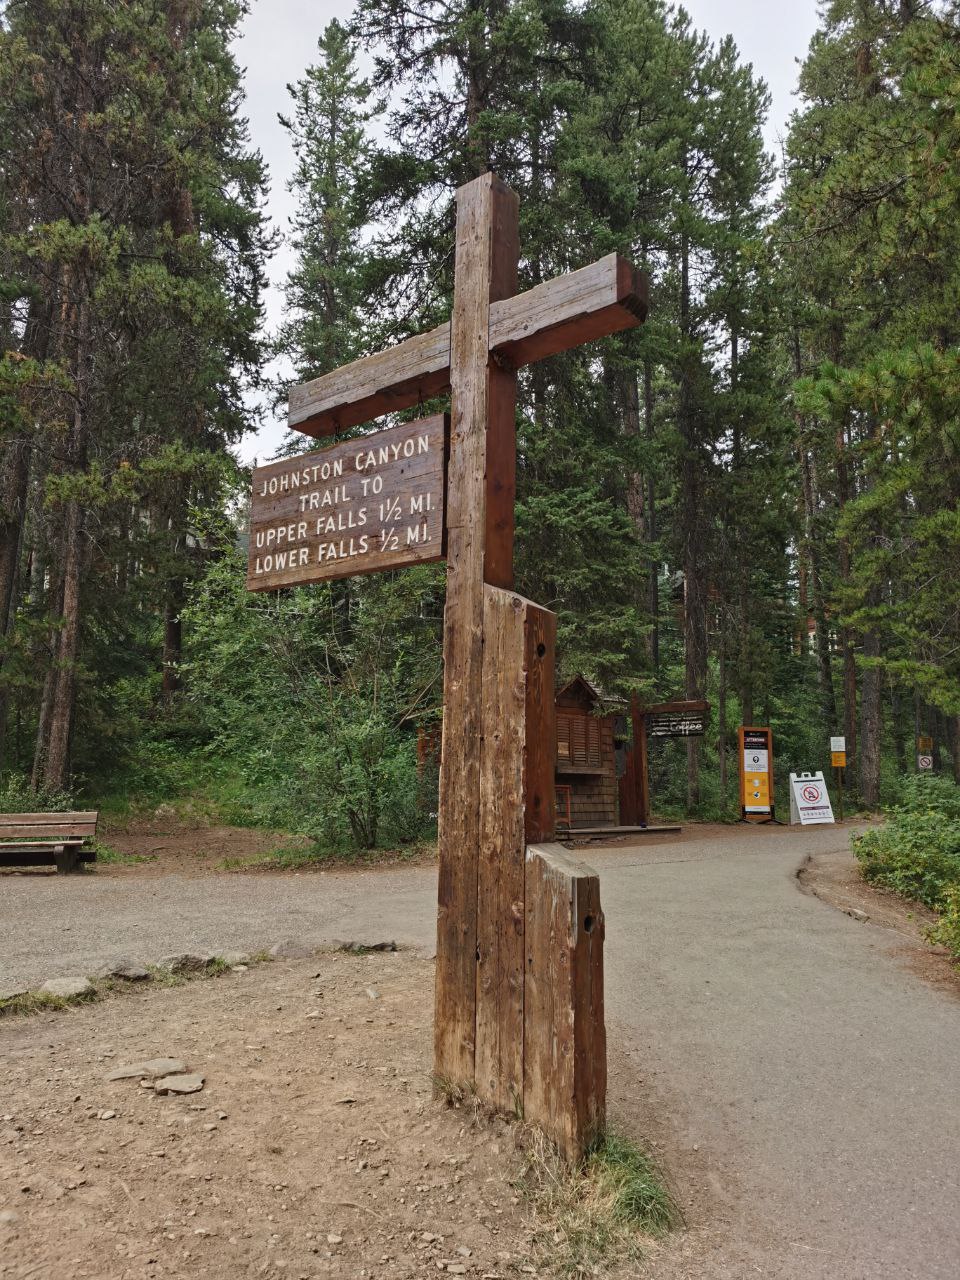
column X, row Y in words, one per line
column 603, row 298
column 397, row 378
column 565, row 1056
column 500, row 900
column 642, row 765
column 501, row 442
column 540, row 749
column 516, row 798
column 478, row 398
column 47, row 826
column 606, row 297
column 368, row 504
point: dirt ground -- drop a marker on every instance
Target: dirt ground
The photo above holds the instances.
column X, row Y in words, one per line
column 314, row 1149
column 165, row 842
column 835, row 878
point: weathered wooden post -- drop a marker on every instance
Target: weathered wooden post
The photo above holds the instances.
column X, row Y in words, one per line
column 519, row 985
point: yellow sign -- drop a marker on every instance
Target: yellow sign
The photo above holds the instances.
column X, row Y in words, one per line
column 839, row 759
column 758, row 792
column 924, row 744
column 756, row 774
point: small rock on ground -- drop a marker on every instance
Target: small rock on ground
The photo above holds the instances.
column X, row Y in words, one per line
column 192, row 1083
column 123, row 967
column 290, row 949
column 358, row 948
column 68, row 987
column 153, row 1069
column 187, row 962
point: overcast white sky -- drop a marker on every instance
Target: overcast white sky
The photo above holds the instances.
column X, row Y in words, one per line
column 279, row 40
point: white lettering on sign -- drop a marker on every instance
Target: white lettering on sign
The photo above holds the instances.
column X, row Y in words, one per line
column 384, row 510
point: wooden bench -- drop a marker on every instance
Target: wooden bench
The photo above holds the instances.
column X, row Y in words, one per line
column 47, row 839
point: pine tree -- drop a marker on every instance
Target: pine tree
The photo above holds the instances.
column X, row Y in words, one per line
column 327, row 300
column 870, row 201
column 135, row 245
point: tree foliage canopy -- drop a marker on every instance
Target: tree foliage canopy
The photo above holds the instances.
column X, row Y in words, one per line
column 755, row 498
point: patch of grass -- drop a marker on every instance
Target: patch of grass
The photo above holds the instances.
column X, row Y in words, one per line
column 452, row 1095
column 31, row 1002
column 600, row 1214
column 285, row 857
column 44, row 1002
column 113, row 857
column 294, row 857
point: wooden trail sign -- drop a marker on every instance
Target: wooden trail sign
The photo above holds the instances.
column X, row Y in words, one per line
column 678, row 719
column 519, row 977
column 376, row 502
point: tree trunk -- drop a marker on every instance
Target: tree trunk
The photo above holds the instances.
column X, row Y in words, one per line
column 828, row 705
column 653, row 582
column 847, row 637
column 56, row 770
column 43, row 727
column 953, row 729
column 694, row 589
column 627, row 395
column 871, row 723
column 722, row 709
column 172, row 641
column 13, row 501
column 16, row 471
column 53, row 746
column 899, row 736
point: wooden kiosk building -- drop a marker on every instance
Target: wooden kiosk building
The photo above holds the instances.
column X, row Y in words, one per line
column 591, row 728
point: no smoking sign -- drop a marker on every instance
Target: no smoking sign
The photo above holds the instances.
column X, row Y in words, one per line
column 809, row 800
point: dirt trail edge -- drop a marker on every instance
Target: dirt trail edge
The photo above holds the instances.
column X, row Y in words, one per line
column 313, row 1149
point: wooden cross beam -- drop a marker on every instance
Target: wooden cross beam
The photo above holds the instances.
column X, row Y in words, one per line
column 604, row 298
column 519, row 989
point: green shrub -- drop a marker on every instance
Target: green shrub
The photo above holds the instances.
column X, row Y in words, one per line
column 17, row 796
column 946, row 931
column 917, row 852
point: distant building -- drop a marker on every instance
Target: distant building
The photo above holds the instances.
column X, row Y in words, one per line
column 591, row 728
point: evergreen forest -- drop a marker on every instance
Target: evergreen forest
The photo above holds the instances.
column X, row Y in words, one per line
column 752, row 499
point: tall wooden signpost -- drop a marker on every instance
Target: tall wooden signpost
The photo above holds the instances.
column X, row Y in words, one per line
column 519, row 987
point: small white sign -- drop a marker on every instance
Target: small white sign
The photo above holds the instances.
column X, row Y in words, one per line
column 838, row 744
column 925, row 764
column 809, row 800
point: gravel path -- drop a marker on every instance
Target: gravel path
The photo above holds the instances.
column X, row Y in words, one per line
column 800, row 1077
column 51, row 926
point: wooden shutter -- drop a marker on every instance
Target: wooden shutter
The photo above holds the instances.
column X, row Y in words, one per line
column 563, row 739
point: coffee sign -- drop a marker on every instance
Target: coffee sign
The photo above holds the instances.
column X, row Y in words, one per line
column 372, row 503
column 677, row 720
